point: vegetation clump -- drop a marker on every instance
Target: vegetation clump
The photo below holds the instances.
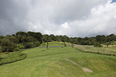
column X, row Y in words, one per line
column 11, row 57
column 97, row 44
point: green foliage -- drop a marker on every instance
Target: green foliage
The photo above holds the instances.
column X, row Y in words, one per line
column 11, row 57
column 53, row 38
column 0, row 49
column 97, row 44
column 29, row 45
column 37, row 43
column 12, row 39
column 0, row 41
column 19, row 47
column 1, row 37
column 108, row 43
column 7, row 45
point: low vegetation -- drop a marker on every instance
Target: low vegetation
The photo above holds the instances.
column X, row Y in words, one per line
column 11, row 57
column 97, row 50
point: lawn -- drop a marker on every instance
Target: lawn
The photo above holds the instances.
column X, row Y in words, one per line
column 60, row 62
column 54, row 43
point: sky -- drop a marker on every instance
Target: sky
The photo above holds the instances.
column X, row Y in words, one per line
column 74, row 18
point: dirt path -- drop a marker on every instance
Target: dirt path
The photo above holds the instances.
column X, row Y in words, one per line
column 84, row 69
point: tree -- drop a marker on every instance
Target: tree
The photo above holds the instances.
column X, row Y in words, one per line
column 97, row 44
column 19, row 47
column 1, row 37
column 12, row 38
column 64, row 39
column 7, row 45
column 107, row 43
column 53, row 37
column 72, row 41
column 58, row 38
column 46, row 39
column 36, row 35
column 101, row 39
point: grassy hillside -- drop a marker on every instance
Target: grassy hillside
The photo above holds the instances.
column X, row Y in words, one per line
column 54, row 43
column 60, row 62
column 111, row 50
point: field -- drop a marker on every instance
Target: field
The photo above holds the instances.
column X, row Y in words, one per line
column 60, row 62
column 111, row 50
column 54, row 43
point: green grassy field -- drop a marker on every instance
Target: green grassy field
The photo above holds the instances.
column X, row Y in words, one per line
column 53, row 43
column 60, row 62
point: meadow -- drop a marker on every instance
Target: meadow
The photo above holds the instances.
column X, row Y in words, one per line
column 60, row 62
column 111, row 50
column 54, row 43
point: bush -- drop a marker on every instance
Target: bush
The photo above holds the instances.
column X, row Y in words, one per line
column 0, row 49
column 7, row 45
column 29, row 45
column 37, row 43
column 19, row 47
column 12, row 57
column 97, row 44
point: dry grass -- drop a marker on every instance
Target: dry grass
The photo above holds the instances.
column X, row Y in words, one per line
column 98, row 50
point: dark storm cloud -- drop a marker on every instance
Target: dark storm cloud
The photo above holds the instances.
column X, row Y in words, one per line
column 12, row 15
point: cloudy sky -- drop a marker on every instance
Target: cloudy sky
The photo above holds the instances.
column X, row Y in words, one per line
column 75, row 18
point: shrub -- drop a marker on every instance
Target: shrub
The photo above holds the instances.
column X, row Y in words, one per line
column 29, row 45
column 0, row 49
column 37, row 43
column 7, row 45
column 19, row 47
column 97, row 44
column 12, row 57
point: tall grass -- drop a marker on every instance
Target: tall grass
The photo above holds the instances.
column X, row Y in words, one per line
column 11, row 57
column 97, row 50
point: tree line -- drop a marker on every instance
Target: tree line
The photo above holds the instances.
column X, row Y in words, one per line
column 21, row 40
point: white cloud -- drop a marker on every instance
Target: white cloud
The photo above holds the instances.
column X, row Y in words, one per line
column 63, row 29
column 100, row 21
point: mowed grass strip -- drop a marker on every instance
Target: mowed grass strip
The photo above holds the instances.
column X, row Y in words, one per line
column 52, row 62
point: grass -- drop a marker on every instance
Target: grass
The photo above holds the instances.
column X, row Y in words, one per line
column 11, row 57
column 111, row 50
column 60, row 62
column 54, row 43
